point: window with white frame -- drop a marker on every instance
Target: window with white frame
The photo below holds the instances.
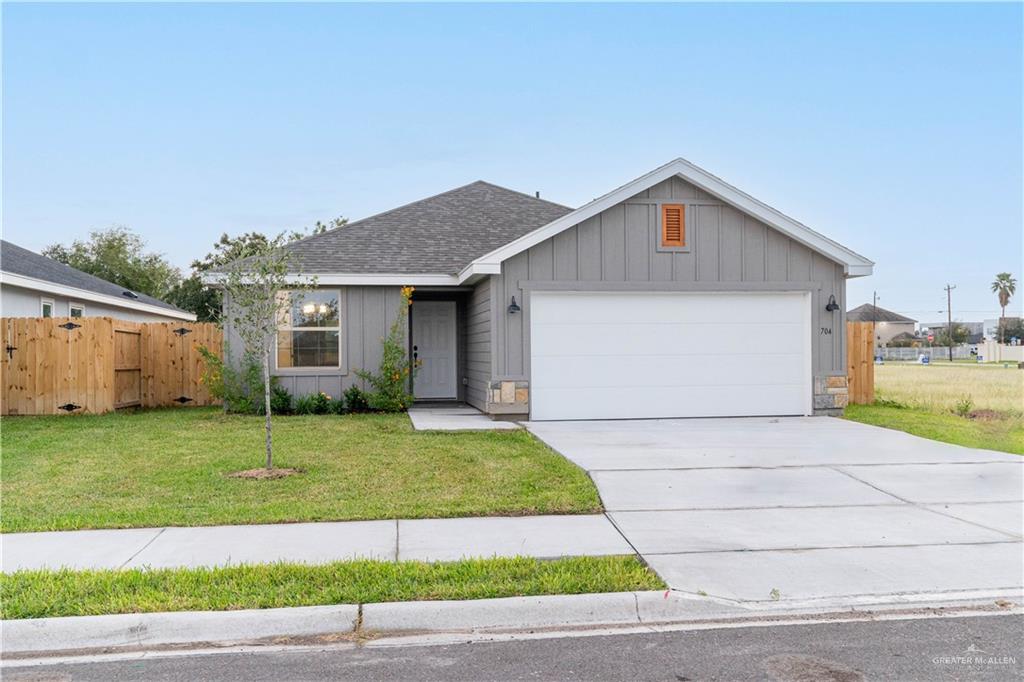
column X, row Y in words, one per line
column 309, row 329
column 76, row 310
column 46, row 307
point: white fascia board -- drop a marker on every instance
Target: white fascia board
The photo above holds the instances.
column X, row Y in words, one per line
column 854, row 264
column 382, row 279
column 77, row 295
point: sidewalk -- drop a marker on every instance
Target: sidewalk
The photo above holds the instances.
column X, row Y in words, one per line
column 392, row 540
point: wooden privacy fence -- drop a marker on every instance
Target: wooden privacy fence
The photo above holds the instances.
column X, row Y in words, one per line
column 860, row 362
column 98, row 364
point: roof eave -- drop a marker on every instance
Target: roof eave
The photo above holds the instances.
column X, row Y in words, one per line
column 77, row 294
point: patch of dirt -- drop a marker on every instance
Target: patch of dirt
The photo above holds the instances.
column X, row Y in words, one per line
column 263, row 474
column 799, row 668
column 987, row 415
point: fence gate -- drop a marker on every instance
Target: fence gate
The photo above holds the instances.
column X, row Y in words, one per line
column 127, row 367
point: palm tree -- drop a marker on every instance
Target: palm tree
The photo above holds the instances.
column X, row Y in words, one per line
column 1004, row 286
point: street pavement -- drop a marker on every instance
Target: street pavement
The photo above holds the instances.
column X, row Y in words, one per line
column 949, row 648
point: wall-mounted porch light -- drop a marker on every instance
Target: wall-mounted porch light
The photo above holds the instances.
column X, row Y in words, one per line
column 513, row 307
column 832, row 305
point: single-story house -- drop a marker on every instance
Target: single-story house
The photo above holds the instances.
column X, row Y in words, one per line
column 32, row 285
column 526, row 307
column 888, row 324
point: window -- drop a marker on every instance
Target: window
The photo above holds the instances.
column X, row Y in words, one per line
column 76, row 310
column 46, row 307
column 309, row 329
column 673, row 225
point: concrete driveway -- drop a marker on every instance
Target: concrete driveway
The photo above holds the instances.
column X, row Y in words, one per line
column 805, row 509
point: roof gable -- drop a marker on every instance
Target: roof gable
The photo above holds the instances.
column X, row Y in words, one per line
column 854, row 265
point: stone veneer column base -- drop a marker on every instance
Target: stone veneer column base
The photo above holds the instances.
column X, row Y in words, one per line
column 508, row 397
column 831, row 395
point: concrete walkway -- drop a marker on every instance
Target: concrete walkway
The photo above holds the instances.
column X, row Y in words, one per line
column 455, row 417
column 804, row 508
column 421, row 539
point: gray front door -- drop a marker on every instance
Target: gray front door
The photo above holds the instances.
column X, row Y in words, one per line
column 433, row 344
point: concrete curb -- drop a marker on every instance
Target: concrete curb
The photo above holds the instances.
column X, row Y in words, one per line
column 481, row 616
column 140, row 630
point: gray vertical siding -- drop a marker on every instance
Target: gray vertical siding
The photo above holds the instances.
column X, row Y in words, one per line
column 478, row 325
column 622, row 245
column 367, row 315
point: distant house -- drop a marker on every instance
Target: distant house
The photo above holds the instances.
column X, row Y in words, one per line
column 32, row 285
column 888, row 324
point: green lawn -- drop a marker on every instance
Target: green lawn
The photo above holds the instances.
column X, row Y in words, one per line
column 169, row 467
column 1006, row 435
column 40, row 594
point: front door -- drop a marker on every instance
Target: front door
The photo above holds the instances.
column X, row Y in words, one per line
column 433, row 344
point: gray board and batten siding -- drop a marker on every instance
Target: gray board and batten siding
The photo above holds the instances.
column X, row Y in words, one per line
column 619, row 250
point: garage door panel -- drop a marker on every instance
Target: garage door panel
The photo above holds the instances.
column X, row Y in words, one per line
column 709, row 308
column 614, row 355
column 683, row 372
column 667, row 402
column 565, row 340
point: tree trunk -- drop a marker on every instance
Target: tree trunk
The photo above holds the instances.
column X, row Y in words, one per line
column 266, row 403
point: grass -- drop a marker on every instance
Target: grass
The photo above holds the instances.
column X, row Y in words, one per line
column 169, row 467
column 1006, row 435
column 40, row 594
column 938, row 387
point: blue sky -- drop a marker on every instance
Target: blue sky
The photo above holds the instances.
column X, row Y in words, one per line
column 894, row 129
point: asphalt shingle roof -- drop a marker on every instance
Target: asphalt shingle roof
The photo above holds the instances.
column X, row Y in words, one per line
column 19, row 261
column 438, row 235
column 871, row 313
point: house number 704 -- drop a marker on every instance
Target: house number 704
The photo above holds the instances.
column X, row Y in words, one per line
column 825, row 331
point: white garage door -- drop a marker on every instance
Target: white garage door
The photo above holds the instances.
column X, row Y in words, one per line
column 639, row 355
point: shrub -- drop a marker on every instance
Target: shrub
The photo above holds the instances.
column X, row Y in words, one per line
column 964, row 406
column 241, row 391
column 280, row 400
column 356, row 399
column 391, row 381
column 314, row 403
column 337, row 407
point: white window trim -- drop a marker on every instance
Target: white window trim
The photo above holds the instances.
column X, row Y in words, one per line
column 73, row 305
column 53, row 306
column 320, row 368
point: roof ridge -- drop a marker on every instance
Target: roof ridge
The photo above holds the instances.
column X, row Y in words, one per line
column 348, row 225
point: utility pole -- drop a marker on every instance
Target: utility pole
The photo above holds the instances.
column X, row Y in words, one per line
column 949, row 318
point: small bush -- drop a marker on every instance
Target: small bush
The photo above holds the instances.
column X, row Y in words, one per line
column 964, row 406
column 280, row 400
column 889, row 402
column 241, row 391
column 356, row 400
column 314, row 403
column 337, row 406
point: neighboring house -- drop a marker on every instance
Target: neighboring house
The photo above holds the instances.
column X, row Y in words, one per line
column 904, row 340
column 888, row 324
column 527, row 307
column 32, row 285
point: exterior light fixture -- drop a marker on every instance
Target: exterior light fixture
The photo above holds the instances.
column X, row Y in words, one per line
column 513, row 307
column 832, row 305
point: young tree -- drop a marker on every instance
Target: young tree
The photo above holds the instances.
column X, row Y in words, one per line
column 192, row 295
column 257, row 290
column 1004, row 287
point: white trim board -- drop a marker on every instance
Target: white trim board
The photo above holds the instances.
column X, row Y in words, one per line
column 79, row 295
column 854, row 264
